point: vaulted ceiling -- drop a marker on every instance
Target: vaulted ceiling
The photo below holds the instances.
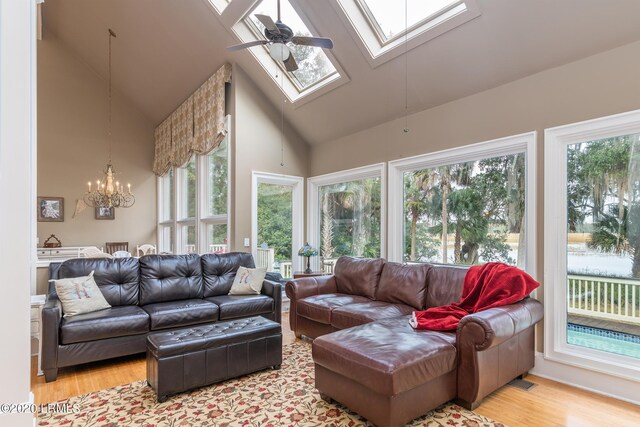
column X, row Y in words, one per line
column 166, row 48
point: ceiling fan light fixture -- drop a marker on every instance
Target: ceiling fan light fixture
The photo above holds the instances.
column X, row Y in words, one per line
column 279, row 51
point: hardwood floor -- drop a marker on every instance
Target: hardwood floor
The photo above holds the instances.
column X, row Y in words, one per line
column 549, row 404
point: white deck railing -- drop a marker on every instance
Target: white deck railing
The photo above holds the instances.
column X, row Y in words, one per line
column 604, row 298
column 264, row 258
column 328, row 265
column 285, row 269
column 218, row 248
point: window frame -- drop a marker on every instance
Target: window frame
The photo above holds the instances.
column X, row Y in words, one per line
column 522, row 143
column 556, row 347
column 297, row 212
column 356, row 174
column 202, row 218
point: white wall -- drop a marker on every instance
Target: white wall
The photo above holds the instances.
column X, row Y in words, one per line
column 73, row 149
column 257, row 147
column 17, row 192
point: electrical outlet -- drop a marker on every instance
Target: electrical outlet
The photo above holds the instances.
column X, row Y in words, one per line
column 247, row 242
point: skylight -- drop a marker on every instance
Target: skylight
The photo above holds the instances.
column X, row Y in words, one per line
column 388, row 17
column 314, row 65
column 379, row 27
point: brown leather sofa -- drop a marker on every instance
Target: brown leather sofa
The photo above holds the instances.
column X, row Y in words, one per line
column 147, row 295
column 369, row 358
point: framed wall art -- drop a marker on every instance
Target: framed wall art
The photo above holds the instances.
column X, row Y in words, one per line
column 105, row 213
column 50, row 209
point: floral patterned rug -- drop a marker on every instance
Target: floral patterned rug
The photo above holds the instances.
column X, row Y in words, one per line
column 268, row 398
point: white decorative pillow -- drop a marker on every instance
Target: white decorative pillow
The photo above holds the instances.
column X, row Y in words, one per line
column 248, row 281
column 80, row 295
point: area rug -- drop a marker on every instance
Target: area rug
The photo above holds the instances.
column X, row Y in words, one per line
column 268, row 398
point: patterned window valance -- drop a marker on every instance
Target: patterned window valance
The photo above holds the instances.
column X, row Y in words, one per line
column 197, row 126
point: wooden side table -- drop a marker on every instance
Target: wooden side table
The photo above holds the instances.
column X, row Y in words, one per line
column 301, row 274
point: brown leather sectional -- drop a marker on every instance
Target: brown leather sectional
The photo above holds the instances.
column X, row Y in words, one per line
column 368, row 357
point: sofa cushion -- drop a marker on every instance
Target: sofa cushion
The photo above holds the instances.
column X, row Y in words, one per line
column 358, row 276
column 173, row 314
column 351, row 315
column 404, row 284
column 387, row 356
column 445, row 285
column 219, row 271
column 319, row 307
column 118, row 279
column 112, row 322
column 234, row 306
column 80, row 295
column 248, row 281
column 169, row 278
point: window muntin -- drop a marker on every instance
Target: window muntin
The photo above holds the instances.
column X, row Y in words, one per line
column 466, row 213
column 314, row 65
column 388, row 18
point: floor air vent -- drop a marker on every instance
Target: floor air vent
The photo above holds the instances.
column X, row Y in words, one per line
column 522, row 384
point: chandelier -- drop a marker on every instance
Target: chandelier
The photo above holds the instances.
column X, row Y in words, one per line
column 108, row 193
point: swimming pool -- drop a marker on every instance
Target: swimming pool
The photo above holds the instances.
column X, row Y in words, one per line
column 602, row 339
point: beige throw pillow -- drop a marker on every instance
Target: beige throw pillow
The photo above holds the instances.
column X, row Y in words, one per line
column 80, row 295
column 248, row 281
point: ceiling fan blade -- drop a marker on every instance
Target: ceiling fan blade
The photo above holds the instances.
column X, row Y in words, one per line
column 268, row 23
column 290, row 64
column 322, row 42
column 246, row 45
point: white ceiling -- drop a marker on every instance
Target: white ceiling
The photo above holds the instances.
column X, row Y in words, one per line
column 166, row 48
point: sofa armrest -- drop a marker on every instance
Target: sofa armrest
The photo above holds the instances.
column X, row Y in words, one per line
column 308, row 286
column 492, row 327
column 51, row 318
column 305, row 287
column 484, row 364
column 274, row 290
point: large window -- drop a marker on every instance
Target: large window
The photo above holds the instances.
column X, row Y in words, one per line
column 466, row 213
column 592, row 244
column 193, row 205
column 465, row 206
column 346, row 214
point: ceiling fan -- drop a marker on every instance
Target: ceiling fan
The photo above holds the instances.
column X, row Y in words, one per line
column 278, row 36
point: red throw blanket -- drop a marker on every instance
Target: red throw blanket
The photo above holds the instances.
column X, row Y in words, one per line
column 485, row 286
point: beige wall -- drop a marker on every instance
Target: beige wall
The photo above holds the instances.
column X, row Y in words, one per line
column 72, row 150
column 596, row 86
column 257, row 148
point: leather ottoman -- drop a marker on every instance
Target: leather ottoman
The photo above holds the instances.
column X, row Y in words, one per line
column 386, row 371
column 197, row 356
